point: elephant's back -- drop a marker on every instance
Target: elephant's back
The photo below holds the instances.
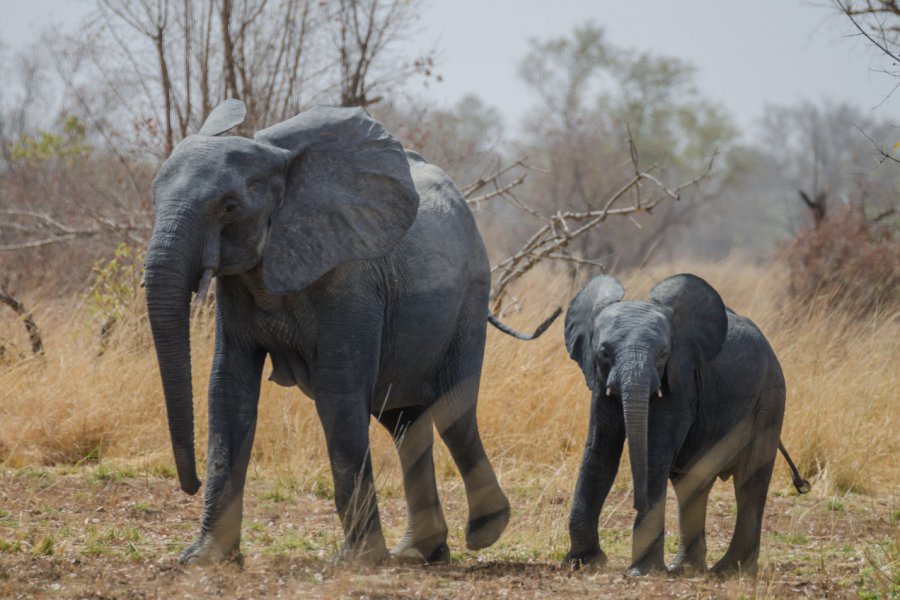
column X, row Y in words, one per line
column 444, row 235
column 747, row 364
column 438, row 281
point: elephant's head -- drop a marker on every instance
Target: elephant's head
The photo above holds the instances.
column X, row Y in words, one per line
column 304, row 196
column 639, row 352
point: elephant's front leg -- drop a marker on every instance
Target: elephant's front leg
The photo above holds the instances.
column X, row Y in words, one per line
column 669, row 421
column 602, row 453
column 344, row 411
column 649, row 525
column 233, row 397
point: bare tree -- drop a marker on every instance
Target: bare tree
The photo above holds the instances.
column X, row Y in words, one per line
column 878, row 21
column 150, row 18
column 364, row 30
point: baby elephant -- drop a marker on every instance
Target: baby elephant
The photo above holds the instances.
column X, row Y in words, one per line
column 698, row 392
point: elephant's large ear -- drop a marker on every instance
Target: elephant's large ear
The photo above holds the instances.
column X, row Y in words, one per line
column 600, row 292
column 348, row 195
column 699, row 324
column 230, row 113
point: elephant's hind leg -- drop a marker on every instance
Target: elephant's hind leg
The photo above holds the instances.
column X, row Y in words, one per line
column 750, row 491
column 426, row 531
column 454, row 416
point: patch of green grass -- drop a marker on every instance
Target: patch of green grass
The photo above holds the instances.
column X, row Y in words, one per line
column 142, row 507
column 43, row 547
column 256, row 527
column 108, row 472
column 94, row 545
column 322, row 487
column 895, row 517
column 164, row 470
column 36, row 473
column 278, row 493
column 10, row 546
column 289, row 542
column 132, row 552
column 835, row 505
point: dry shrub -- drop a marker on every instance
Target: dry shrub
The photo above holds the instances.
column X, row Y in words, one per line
column 841, row 419
column 847, row 261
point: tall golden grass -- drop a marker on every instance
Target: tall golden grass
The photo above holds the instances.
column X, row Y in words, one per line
column 841, row 425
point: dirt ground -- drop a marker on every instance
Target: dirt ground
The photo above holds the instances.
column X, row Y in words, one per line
column 102, row 533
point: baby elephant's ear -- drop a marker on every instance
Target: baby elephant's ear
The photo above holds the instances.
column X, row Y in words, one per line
column 698, row 324
column 348, row 195
column 600, row 292
column 227, row 115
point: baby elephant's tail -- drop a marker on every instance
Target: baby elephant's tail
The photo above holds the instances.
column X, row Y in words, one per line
column 801, row 484
column 522, row 336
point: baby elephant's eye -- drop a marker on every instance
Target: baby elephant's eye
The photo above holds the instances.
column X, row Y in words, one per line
column 229, row 209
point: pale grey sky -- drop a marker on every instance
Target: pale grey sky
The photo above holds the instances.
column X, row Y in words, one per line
column 747, row 53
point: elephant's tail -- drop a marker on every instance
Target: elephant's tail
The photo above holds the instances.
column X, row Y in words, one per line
column 801, row 484
column 524, row 336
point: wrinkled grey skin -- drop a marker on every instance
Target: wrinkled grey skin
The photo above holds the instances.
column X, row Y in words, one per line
column 698, row 393
column 358, row 268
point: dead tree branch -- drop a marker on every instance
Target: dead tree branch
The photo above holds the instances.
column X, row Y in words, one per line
column 551, row 240
column 876, row 12
column 34, row 334
column 49, row 231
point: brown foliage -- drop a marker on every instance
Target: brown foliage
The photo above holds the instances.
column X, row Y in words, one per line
column 846, row 260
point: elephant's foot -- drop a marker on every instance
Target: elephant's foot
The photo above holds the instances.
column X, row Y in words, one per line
column 486, row 529
column 591, row 559
column 647, row 567
column 370, row 550
column 731, row 568
column 687, row 563
column 206, row 552
column 432, row 551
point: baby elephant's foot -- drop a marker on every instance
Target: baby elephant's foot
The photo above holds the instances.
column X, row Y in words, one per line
column 433, row 551
column 592, row 559
column 684, row 564
column 206, row 552
column 483, row 531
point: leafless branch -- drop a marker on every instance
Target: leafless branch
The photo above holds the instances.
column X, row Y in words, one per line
column 34, row 334
column 551, row 240
column 50, row 231
column 877, row 35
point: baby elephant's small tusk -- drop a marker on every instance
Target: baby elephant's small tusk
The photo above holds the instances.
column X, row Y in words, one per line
column 203, row 286
column 659, row 392
column 609, row 391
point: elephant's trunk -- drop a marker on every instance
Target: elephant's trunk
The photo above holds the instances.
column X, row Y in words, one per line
column 635, row 402
column 172, row 271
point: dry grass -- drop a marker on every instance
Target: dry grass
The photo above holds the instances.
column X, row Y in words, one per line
column 73, row 406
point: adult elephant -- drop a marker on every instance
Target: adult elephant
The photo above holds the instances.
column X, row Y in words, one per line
column 699, row 394
column 357, row 267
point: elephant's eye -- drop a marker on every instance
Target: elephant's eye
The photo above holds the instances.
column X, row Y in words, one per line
column 229, row 209
column 604, row 354
column 663, row 356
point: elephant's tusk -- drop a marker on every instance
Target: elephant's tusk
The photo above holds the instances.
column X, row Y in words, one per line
column 203, row 286
column 659, row 392
column 609, row 391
